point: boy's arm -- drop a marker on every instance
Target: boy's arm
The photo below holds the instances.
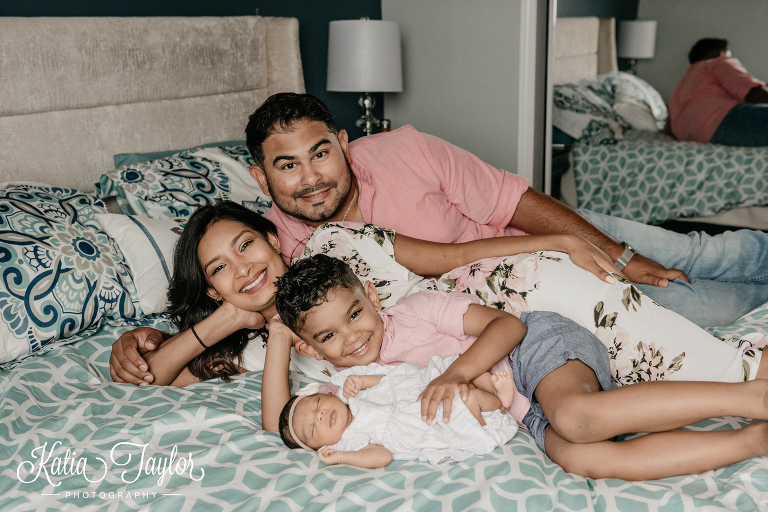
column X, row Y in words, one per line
column 498, row 333
column 275, row 387
column 372, row 456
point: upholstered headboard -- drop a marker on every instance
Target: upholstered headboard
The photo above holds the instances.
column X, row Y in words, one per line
column 76, row 91
column 584, row 48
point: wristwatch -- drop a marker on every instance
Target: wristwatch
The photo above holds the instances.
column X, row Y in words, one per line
column 625, row 256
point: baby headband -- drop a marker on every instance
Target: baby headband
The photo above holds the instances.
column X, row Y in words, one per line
column 309, row 389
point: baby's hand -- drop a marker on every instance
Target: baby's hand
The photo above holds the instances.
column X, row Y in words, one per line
column 353, row 385
column 329, row 456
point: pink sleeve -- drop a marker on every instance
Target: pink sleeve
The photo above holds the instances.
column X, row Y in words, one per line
column 734, row 78
column 442, row 309
column 478, row 190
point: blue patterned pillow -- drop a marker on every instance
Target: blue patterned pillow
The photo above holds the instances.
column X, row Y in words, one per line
column 633, row 87
column 585, row 115
column 176, row 185
column 60, row 273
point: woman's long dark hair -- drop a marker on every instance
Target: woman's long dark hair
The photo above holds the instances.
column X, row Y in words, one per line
column 188, row 302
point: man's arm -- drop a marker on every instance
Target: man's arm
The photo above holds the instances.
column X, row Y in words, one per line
column 540, row 214
column 758, row 94
column 126, row 365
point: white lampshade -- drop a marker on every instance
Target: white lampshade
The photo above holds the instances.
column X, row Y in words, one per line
column 364, row 56
column 636, row 39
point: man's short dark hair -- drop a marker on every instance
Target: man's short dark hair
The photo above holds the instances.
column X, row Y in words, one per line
column 307, row 284
column 707, row 48
column 280, row 112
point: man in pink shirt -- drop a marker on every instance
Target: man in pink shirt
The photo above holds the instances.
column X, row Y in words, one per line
column 424, row 187
column 718, row 101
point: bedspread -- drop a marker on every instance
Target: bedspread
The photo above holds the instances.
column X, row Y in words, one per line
column 649, row 177
column 71, row 438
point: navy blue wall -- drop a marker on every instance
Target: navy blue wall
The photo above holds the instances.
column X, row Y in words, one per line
column 619, row 9
column 313, row 16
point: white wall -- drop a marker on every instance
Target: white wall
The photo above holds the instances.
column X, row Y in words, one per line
column 683, row 22
column 460, row 73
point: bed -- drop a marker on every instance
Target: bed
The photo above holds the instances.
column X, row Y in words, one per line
column 621, row 163
column 103, row 107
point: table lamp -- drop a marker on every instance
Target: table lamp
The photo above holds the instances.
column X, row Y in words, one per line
column 364, row 56
column 636, row 40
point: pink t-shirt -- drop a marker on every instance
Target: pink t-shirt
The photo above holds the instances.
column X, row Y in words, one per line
column 431, row 323
column 423, row 187
column 707, row 92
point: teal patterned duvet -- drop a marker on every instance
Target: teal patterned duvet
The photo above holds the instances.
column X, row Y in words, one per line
column 70, row 439
column 650, row 177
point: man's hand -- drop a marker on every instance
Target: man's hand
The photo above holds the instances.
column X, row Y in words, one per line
column 126, row 363
column 442, row 389
column 353, row 385
column 642, row 270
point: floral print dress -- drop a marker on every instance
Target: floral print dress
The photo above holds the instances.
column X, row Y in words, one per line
column 645, row 341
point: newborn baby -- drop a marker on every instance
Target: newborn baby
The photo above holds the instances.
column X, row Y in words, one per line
column 383, row 420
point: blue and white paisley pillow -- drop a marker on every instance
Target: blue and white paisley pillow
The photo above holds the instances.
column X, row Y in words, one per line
column 176, row 185
column 586, row 115
column 630, row 87
column 60, row 273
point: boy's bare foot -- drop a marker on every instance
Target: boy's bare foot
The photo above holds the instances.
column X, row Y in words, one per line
column 505, row 388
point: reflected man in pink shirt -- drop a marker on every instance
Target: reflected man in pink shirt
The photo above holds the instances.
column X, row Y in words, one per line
column 718, row 101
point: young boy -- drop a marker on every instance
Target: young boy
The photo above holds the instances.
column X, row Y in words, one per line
column 560, row 367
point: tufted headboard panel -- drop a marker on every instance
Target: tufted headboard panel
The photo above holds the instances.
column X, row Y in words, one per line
column 75, row 91
column 584, row 48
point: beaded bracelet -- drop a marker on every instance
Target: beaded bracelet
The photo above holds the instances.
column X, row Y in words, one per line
column 198, row 337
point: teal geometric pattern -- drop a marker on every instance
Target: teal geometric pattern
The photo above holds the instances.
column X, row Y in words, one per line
column 66, row 396
column 650, row 178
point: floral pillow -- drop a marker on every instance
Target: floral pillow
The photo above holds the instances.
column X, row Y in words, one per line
column 176, row 185
column 645, row 341
column 60, row 272
column 586, row 116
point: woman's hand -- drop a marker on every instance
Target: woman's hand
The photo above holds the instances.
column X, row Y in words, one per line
column 442, row 389
column 589, row 257
column 241, row 319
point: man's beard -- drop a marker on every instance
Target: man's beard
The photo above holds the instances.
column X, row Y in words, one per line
column 321, row 214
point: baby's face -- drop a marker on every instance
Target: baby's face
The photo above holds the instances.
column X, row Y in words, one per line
column 345, row 330
column 320, row 420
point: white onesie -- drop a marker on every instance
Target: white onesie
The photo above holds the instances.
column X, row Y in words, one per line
column 389, row 414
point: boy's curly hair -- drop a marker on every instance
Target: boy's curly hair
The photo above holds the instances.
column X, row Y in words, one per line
column 307, row 284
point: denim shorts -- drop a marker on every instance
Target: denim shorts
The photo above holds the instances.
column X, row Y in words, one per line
column 552, row 340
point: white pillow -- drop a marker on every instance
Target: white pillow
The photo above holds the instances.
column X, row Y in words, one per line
column 147, row 245
column 637, row 114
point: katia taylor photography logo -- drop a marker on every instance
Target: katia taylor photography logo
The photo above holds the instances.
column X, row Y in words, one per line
column 53, row 463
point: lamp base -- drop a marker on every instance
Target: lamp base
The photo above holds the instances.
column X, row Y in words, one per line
column 632, row 66
column 368, row 121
